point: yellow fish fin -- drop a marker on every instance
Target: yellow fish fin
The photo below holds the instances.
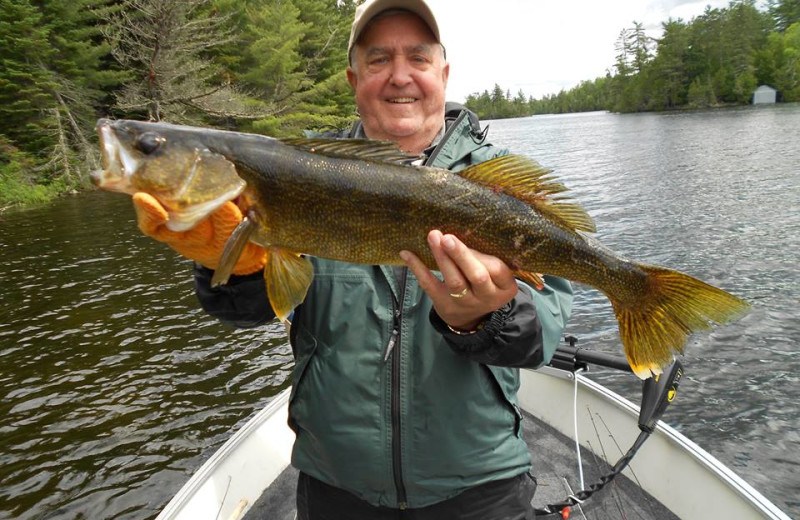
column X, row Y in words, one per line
column 288, row 276
column 524, row 179
column 672, row 305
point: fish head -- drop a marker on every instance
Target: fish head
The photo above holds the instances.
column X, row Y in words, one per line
column 170, row 162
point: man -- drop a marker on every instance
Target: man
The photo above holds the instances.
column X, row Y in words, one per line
column 404, row 387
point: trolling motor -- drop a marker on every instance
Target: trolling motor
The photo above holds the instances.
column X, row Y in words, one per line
column 657, row 394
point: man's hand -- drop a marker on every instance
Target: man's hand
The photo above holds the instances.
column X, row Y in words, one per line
column 205, row 241
column 475, row 284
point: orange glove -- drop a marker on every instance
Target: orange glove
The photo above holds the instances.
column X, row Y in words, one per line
column 205, row 241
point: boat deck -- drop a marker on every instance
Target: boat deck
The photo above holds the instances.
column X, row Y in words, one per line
column 555, row 467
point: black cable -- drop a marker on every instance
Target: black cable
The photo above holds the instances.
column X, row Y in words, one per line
column 584, row 494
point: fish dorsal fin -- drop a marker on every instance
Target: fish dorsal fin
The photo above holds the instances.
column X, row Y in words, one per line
column 524, row 179
column 363, row 149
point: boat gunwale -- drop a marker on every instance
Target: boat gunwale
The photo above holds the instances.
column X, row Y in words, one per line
column 210, row 466
column 673, row 436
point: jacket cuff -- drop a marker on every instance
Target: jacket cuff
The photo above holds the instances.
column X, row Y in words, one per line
column 512, row 336
column 240, row 303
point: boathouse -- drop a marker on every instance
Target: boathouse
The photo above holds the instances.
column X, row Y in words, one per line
column 764, row 95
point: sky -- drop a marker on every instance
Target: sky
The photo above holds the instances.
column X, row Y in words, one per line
column 542, row 46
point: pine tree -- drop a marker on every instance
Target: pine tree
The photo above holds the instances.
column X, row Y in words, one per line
column 788, row 75
column 669, row 71
column 167, row 45
column 784, row 13
column 84, row 78
column 291, row 56
column 25, row 81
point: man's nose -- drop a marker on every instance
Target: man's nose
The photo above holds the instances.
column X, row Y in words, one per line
column 401, row 72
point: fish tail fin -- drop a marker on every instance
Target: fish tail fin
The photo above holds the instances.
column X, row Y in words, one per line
column 670, row 308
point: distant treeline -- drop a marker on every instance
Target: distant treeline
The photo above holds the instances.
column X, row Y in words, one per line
column 718, row 58
column 269, row 66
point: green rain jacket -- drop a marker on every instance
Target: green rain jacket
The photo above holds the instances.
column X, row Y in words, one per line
column 386, row 402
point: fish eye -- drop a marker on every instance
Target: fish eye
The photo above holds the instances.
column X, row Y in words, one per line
column 149, row 142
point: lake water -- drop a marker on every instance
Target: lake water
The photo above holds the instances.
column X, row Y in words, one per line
column 115, row 385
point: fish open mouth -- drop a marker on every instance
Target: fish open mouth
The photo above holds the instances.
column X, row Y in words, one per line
column 118, row 165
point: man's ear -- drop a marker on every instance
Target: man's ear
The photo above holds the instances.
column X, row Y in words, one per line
column 352, row 77
column 445, row 74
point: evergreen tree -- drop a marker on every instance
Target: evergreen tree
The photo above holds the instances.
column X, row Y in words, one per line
column 701, row 93
column 291, row 56
column 83, row 77
column 639, row 47
column 25, row 81
column 167, row 46
column 787, row 77
column 746, row 32
column 670, row 79
column 53, row 82
column 784, row 13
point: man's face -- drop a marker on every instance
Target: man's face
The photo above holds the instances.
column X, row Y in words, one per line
column 399, row 78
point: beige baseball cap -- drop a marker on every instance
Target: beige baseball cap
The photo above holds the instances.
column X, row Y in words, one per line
column 369, row 9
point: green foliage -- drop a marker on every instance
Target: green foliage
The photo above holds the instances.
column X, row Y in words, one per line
column 701, row 93
column 787, row 77
column 290, row 56
column 25, row 82
column 784, row 13
column 54, row 77
column 273, row 66
column 17, row 180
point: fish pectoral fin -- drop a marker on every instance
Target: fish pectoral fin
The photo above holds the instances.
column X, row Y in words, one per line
column 288, row 276
column 534, row 279
column 232, row 251
column 363, row 149
column 524, row 179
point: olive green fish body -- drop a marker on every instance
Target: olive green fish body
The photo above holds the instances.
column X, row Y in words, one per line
column 360, row 202
column 365, row 212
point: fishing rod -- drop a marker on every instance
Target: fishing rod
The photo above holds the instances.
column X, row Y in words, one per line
column 657, row 393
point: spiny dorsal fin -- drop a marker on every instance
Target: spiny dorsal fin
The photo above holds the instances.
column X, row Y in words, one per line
column 526, row 180
column 364, row 149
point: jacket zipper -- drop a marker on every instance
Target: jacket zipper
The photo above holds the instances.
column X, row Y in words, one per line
column 394, row 341
column 395, row 404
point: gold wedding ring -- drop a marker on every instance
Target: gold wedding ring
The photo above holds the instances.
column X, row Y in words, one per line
column 460, row 294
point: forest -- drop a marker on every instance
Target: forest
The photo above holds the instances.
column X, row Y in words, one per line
column 716, row 59
column 277, row 67
column 267, row 66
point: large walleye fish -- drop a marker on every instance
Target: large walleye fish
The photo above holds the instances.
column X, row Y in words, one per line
column 361, row 202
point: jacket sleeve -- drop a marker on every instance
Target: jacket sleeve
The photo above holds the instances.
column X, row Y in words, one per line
column 241, row 303
column 524, row 333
